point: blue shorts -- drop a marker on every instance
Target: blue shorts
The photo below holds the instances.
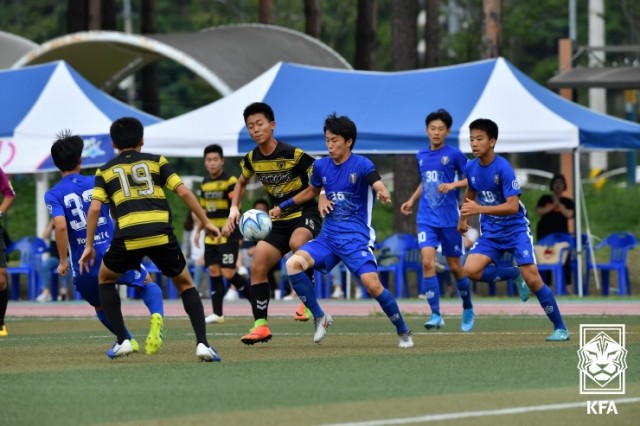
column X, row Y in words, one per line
column 449, row 238
column 520, row 245
column 87, row 285
column 355, row 255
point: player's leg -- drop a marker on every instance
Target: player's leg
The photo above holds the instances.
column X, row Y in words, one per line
column 297, row 266
column 452, row 249
column 171, row 262
column 524, row 255
column 230, row 270
column 306, row 228
column 4, row 295
column 429, row 240
column 213, row 259
column 152, row 297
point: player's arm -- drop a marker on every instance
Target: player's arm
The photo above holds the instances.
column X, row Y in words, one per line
column 407, row 206
column 194, row 205
column 463, row 227
column 382, row 192
column 509, row 207
column 446, row 187
column 59, row 224
column 236, row 198
column 309, row 193
column 89, row 253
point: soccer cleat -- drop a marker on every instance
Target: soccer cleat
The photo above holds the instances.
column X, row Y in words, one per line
column 155, row 336
column 559, row 335
column 406, row 340
column 435, row 321
column 207, row 353
column 321, row 325
column 119, row 350
column 257, row 335
column 214, row 319
column 3, row 331
column 468, row 318
column 302, row 314
column 134, row 345
column 43, row 298
column 523, row 288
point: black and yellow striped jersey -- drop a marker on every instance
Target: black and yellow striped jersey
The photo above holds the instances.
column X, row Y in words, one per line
column 132, row 183
column 283, row 173
column 215, row 199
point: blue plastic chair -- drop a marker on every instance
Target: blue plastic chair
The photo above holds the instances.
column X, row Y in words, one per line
column 557, row 268
column 393, row 260
column 619, row 244
column 31, row 249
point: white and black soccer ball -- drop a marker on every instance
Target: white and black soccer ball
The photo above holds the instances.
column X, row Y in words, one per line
column 255, row 225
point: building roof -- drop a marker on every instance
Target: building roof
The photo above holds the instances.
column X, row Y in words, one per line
column 624, row 77
column 227, row 57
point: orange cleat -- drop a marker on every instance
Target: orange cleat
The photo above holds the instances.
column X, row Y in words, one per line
column 302, row 314
column 257, row 335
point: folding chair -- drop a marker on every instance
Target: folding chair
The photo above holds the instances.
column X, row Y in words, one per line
column 619, row 245
column 552, row 252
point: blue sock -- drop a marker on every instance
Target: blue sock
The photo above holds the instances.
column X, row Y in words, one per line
column 493, row 273
column 392, row 310
column 431, row 287
column 304, row 289
column 103, row 319
column 465, row 292
column 152, row 296
column 550, row 307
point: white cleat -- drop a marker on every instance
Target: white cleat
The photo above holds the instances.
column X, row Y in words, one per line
column 207, row 353
column 120, row 350
column 321, row 325
column 406, row 340
column 214, row 319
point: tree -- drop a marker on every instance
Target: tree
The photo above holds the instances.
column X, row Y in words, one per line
column 149, row 74
column 313, row 18
column 404, row 41
column 432, row 34
column 492, row 29
column 266, row 12
column 366, row 36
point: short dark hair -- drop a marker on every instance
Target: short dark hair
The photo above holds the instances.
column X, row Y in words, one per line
column 259, row 108
column 126, row 132
column 556, row 177
column 261, row 201
column 442, row 115
column 66, row 151
column 486, row 125
column 342, row 126
column 213, row 148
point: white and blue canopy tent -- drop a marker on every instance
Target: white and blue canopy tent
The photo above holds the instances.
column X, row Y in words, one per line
column 39, row 102
column 389, row 110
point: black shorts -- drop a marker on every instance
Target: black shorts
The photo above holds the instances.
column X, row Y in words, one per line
column 225, row 254
column 283, row 229
column 168, row 257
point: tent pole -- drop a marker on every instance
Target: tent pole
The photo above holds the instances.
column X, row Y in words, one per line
column 578, row 213
column 42, row 215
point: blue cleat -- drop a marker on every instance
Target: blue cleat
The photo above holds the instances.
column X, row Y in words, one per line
column 207, row 353
column 523, row 288
column 468, row 318
column 559, row 335
column 435, row 321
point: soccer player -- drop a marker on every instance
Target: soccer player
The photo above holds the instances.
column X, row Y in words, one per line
column 494, row 193
column 347, row 234
column 67, row 202
column 132, row 183
column 220, row 255
column 284, row 171
column 441, row 169
column 8, row 196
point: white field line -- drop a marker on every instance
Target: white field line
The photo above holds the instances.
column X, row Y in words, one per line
column 472, row 414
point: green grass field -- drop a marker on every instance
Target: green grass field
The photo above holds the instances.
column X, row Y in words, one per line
column 54, row 371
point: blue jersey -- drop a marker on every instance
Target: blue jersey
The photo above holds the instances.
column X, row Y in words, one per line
column 71, row 198
column 444, row 165
column 494, row 184
column 346, row 185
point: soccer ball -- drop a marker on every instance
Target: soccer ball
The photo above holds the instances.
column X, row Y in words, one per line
column 255, row 225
